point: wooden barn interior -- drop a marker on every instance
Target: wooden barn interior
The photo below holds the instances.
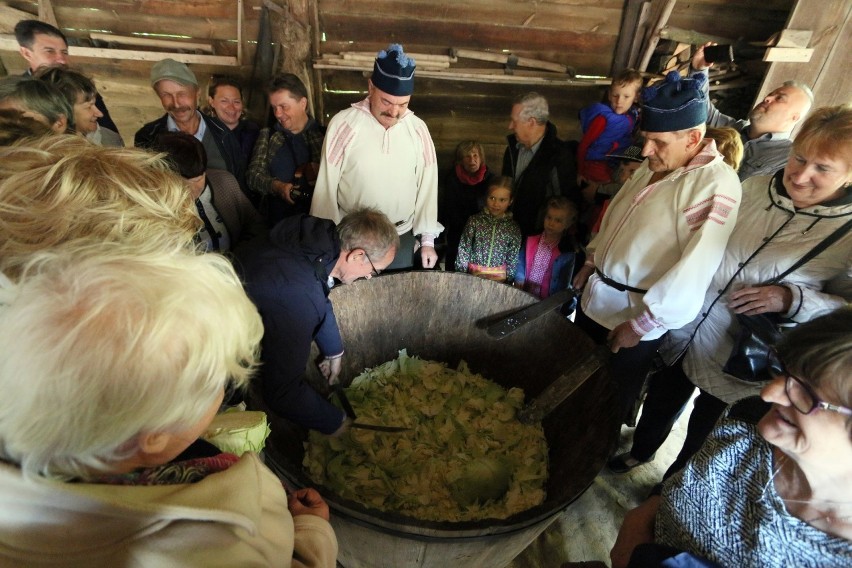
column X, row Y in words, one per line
column 473, row 59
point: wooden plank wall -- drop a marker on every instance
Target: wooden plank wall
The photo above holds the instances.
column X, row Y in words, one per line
column 828, row 71
column 578, row 33
column 124, row 84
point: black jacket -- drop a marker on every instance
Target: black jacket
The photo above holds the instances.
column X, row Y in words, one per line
column 287, row 280
column 552, row 172
column 225, row 140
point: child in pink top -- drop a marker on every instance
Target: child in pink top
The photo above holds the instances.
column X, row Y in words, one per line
column 546, row 263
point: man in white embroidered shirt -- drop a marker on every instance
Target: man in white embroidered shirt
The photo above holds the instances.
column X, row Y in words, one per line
column 378, row 154
column 662, row 237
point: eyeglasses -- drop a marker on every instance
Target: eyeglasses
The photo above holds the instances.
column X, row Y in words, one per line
column 802, row 396
column 374, row 271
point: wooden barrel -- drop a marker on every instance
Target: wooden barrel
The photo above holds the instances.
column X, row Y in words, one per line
column 434, row 316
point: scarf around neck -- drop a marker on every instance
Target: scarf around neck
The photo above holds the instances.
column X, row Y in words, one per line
column 471, row 179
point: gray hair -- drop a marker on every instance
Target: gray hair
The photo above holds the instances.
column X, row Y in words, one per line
column 533, row 106
column 100, row 344
column 38, row 96
column 368, row 229
column 808, row 93
column 802, row 87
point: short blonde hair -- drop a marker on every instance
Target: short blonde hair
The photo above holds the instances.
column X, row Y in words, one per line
column 827, row 132
column 100, row 343
column 729, row 143
column 61, row 188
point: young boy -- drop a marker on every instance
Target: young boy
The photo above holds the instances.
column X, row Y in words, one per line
column 606, row 129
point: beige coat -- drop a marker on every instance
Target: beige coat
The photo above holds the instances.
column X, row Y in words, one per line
column 235, row 518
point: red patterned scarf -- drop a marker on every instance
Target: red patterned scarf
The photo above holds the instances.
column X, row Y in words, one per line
column 470, row 179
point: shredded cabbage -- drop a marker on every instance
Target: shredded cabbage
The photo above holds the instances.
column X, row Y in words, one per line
column 466, row 458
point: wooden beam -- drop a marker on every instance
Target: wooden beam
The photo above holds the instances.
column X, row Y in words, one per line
column 149, row 42
column 794, row 38
column 9, row 17
column 691, row 37
column 629, row 29
column 641, row 32
column 461, row 75
column 788, row 54
column 828, row 73
column 46, row 14
column 418, row 57
column 504, row 59
column 239, row 32
column 8, row 43
column 318, row 99
column 654, row 39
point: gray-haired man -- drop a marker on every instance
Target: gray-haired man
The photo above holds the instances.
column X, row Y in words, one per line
column 766, row 131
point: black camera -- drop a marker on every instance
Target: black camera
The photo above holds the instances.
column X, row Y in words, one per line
column 719, row 53
column 302, row 190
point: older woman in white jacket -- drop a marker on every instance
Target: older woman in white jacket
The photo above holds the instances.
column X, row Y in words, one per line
column 112, row 363
column 788, row 214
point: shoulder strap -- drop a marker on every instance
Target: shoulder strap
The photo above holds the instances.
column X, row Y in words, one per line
column 821, row 246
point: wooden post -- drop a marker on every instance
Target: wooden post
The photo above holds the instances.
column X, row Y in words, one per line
column 629, row 29
column 239, row 32
column 46, row 14
column 827, row 73
column 654, row 38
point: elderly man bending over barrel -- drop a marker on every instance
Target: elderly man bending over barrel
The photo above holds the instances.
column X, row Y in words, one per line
column 289, row 280
column 112, row 363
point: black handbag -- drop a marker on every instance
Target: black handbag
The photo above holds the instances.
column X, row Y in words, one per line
column 753, row 354
column 754, row 348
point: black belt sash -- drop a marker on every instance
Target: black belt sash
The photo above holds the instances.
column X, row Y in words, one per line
column 618, row 285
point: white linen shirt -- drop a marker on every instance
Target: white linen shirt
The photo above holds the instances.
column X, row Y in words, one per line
column 393, row 170
column 667, row 238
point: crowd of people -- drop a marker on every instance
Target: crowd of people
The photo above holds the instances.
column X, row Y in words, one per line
column 142, row 288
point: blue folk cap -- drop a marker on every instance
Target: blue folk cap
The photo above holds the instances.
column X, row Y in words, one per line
column 393, row 71
column 676, row 104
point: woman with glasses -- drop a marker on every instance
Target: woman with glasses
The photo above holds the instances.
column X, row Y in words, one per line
column 782, row 217
column 776, row 491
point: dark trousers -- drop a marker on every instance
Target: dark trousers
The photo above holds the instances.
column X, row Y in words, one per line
column 668, row 393
column 628, row 367
column 404, row 258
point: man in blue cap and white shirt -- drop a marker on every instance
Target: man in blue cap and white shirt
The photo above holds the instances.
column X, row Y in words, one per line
column 378, row 154
column 662, row 237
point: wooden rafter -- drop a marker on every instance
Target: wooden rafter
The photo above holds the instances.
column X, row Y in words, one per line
column 8, row 43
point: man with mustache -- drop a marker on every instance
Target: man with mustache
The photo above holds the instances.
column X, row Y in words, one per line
column 766, row 132
column 177, row 88
column 378, row 154
column 662, row 237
